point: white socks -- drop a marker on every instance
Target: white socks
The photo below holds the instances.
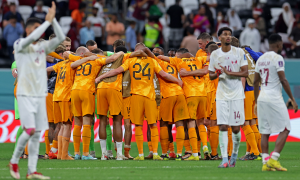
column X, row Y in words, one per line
column 236, row 138
column 33, row 152
column 275, row 155
column 264, row 157
column 19, row 148
column 119, row 147
column 103, row 145
column 54, row 150
column 223, row 141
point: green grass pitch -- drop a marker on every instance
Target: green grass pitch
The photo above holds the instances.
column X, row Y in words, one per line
column 161, row 170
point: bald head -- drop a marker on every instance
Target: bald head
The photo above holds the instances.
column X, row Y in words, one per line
column 139, row 46
column 81, row 51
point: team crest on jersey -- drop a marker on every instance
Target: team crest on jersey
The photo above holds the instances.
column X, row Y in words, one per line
column 37, row 60
column 280, row 63
column 234, row 62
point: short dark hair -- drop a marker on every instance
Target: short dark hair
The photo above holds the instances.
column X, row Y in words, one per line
column 119, row 42
column 211, row 42
column 13, row 16
column 82, row 5
column 190, row 30
column 172, row 49
column 162, row 49
column 52, row 36
column 223, row 29
column 31, row 21
column 274, row 38
column 235, row 41
column 121, row 48
column 132, row 22
column 204, row 36
column 90, row 43
column 60, row 49
column 212, row 47
column 97, row 51
column 182, row 50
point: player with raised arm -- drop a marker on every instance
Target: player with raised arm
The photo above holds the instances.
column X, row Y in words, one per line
column 30, row 56
column 229, row 64
column 142, row 71
column 272, row 113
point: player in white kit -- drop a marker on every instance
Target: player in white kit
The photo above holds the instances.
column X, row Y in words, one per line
column 272, row 112
column 30, row 56
column 229, row 64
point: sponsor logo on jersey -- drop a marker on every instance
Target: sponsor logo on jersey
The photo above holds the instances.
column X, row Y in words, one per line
column 234, row 62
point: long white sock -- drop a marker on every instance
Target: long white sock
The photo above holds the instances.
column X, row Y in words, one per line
column 103, row 145
column 223, row 138
column 236, row 139
column 119, row 147
column 33, row 152
column 275, row 155
column 264, row 157
column 19, row 148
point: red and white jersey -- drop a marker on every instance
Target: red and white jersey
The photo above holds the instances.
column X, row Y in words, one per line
column 267, row 66
column 229, row 87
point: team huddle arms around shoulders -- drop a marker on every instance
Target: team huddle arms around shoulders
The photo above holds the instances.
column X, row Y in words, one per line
column 206, row 96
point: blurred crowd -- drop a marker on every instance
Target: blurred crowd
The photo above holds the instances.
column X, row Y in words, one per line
column 166, row 23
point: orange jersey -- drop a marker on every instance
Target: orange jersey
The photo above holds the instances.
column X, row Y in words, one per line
column 192, row 85
column 117, row 85
column 167, row 88
column 200, row 52
column 64, row 81
column 142, row 73
column 86, row 74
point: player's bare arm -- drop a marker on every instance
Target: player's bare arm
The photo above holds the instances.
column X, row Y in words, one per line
column 49, row 59
column 83, row 60
column 170, row 78
column 164, row 58
column 242, row 73
column 213, row 75
column 257, row 80
column 185, row 55
column 138, row 53
column 287, row 89
column 110, row 74
column 113, row 57
column 198, row 72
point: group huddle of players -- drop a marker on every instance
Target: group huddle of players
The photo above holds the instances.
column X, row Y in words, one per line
column 189, row 103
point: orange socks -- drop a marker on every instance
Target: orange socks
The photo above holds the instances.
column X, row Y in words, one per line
column 139, row 139
column 26, row 149
column 164, row 139
column 199, row 145
column 214, row 139
column 230, row 144
column 248, row 147
column 250, row 137
column 65, row 147
column 187, row 145
column 76, row 139
column 86, row 138
column 193, row 139
column 208, row 131
column 257, row 136
column 47, row 143
column 203, row 134
column 55, row 144
column 180, row 139
column 154, row 139
column 59, row 138
column 150, row 146
column 171, row 146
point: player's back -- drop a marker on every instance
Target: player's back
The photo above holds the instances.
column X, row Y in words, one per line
column 31, row 63
column 142, row 73
column 267, row 66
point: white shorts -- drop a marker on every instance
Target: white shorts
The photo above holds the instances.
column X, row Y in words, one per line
column 33, row 113
column 272, row 117
column 230, row 112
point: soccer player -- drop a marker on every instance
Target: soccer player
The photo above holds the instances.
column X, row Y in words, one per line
column 172, row 52
column 174, row 108
column 231, row 64
column 143, row 95
column 83, row 99
column 32, row 89
column 195, row 94
column 272, row 113
column 91, row 45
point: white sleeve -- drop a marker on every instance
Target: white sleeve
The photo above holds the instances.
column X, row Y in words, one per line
column 211, row 64
column 256, row 66
column 244, row 61
column 21, row 44
column 60, row 37
column 279, row 63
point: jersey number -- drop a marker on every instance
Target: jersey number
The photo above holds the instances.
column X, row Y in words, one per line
column 237, row 115
column 83, row 68
column 195, row 68
column 265, row 73
column 143, row 71
column 62, row 74
column 172, row 69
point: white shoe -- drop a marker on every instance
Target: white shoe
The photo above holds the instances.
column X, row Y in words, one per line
column 104, row 157
column 14, row 170
column 121, row 157
column 110, row 154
